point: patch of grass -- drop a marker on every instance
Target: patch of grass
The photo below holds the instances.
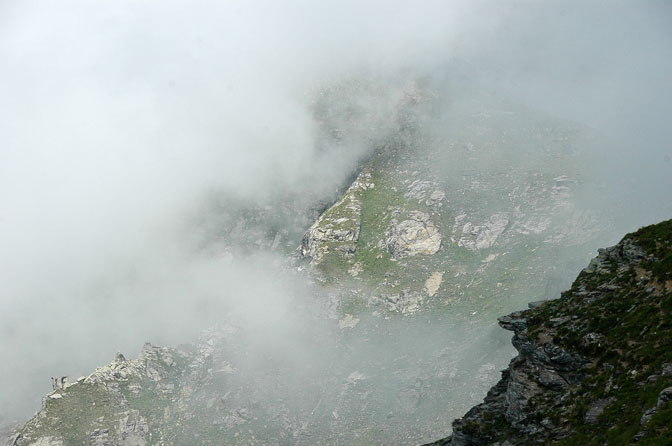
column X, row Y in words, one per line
column 81, row 409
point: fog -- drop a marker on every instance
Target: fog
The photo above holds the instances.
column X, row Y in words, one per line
column 119, row 121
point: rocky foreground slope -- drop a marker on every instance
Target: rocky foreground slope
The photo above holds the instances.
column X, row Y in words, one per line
column 593, row 367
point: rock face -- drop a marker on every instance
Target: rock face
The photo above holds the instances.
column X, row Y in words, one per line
column 591, row 366
column 483, row 236
column 426, row 192
column 337, row 229
column 70, row 414
column 433, row 283
column 413, row 236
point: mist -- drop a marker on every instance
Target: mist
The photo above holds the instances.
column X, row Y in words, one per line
column 119, row 123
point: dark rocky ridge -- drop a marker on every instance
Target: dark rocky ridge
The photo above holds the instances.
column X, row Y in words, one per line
column 594, row 367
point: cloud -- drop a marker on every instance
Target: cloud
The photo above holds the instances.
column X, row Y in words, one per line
column 116, row 119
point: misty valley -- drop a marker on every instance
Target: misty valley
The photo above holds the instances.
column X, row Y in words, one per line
column 278, row 255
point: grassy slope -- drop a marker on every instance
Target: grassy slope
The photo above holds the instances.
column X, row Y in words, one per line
column 631, row 312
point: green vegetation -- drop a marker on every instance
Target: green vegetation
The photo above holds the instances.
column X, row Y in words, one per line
column 620, row 318
column 81, row 409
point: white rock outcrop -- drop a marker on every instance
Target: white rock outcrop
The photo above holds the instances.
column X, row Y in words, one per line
column 415, row 235
column 348, row 321
column 406, row 302
column 479, row 236
column 426, row 192
column 433, row 283
column 338, row 227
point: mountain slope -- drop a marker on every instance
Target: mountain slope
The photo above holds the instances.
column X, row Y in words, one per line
column 593, row 367
column 459, row 213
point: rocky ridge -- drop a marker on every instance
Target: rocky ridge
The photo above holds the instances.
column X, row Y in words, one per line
column 593, row 367
column 338, row 228
column 110, row 406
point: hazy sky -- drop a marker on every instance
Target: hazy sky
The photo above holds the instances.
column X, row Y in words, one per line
column 116, row 117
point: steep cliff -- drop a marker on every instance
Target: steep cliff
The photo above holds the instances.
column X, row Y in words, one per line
column 593, row 367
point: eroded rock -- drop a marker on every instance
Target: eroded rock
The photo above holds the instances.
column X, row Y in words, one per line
column 426, row 192
column 433, row 283
column 482, row 235
column 415, row 235
column 338, row 228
